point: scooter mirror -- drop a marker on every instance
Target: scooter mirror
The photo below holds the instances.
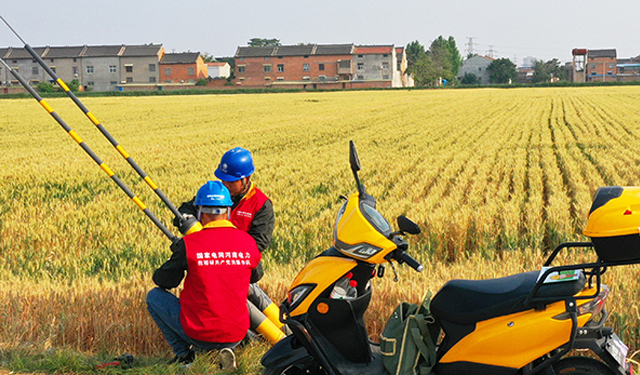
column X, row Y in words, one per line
column 353, row 157
column 355, row 167
column 408, row 226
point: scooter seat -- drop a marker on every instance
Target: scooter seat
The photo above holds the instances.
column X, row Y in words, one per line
column 472, row 301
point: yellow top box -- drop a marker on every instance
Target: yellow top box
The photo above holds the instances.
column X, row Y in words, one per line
column 615, row 212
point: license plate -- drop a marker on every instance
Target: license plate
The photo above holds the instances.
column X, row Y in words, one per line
column 617, row 349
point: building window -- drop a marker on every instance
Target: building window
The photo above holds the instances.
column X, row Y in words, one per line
column 280, row 78
column 593, row 73
column 128, row 68
column 113, row 83
column 360, row 66
column 75, row 71
column 152, row 67
column 267, row 78
column 360, row 56
column 190, row 71
column 321, row 66
column 266, row 58
column 90, row 69
column 167, row 71
column 592, row 66
column 242, row 68
column 266, row 68
column 91, row 84
column 112, row 69
column 385, row 76
column 305, row 67
column 53, row 68
column 610, row 73
column 385, row 65
column 280, row 68
column 129, row 79
column 34, row 70
column 360, row 77
column 167, row 81
column 50, row 60
column 385, row 55
column 152, row 79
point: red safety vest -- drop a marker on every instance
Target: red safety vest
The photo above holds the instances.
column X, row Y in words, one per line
column 250, row 204
column 214, row 299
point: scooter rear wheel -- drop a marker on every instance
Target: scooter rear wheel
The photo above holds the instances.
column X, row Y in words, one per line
column 581, row 366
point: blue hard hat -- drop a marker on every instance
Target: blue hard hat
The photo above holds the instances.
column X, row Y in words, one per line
column 235, row 164
column 213, row 193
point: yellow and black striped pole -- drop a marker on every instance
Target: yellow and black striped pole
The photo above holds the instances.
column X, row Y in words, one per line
column 187, row 226
column 90, row 152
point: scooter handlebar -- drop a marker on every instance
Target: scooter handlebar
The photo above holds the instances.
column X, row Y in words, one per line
column 408, row 259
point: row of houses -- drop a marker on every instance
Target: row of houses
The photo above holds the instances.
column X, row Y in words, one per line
column 588, row 65
column 603, row 65
column 130, row 67
column 322, row 66
column 105, row 68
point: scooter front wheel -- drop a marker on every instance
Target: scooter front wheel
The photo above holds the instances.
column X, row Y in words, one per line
column 581, row 366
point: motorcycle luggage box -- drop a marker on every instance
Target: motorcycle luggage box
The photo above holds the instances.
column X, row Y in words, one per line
column 614, row 224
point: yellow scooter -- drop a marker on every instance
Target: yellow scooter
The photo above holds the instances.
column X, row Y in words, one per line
column 521, row 324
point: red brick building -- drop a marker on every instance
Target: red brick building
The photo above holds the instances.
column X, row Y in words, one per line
column 601, row 65
column 311, row 65
column 186, row 67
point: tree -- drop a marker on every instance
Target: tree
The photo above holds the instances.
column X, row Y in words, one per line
column 415, row 51
column 502, row 71
column 445, row 55
column 441, row 61
column 423, row 72
column 261, row 42
column 470, row 79
column 547, row 71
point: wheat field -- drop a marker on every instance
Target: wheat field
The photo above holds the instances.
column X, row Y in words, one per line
column 495, row 178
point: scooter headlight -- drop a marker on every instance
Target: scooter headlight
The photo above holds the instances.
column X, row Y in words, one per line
column 362, row 250
column 298, row 294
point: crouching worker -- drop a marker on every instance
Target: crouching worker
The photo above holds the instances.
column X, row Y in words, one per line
column 211, row 312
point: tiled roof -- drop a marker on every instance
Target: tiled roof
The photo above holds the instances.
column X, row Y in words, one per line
column 60, row 52
column 255, row 51
column 217, row 63
column 335, row 49
column 601, row 53
column 296, row 50
column 299, row 50
column 102, row 51
column 3, row 51
column 21, row 53
column 180, row 58
column 142, row 50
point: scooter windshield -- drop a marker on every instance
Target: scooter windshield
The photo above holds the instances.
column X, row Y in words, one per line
column 375, row 218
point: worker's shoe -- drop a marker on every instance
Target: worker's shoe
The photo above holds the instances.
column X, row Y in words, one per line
column 185, row 360
column 227, row 359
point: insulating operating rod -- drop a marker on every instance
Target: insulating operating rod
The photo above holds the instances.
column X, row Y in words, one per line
column 90, row 152
column 97, row 123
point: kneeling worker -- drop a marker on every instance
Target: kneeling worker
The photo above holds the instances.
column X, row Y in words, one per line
column 211, row 312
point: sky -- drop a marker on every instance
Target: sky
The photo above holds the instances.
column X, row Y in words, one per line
column 515, row 29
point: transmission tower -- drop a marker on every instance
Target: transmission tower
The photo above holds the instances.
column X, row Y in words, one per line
column 470, row 46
